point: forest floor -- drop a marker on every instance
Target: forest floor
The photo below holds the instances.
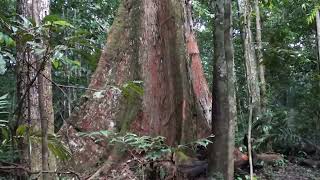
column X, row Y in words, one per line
column 288, row 171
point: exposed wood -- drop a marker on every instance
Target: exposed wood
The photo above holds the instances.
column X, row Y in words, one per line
column 269, row 158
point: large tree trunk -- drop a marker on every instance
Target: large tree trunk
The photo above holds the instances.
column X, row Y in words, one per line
column 35, row 93
column 224, row 106
column 150, row 41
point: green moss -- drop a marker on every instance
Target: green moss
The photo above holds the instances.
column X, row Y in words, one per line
column 118, row 27
column 129, row 111
column 135, row 31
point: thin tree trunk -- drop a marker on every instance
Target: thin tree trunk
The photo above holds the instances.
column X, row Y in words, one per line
column 318, row 52
column 150, row 41
column 36, row 71
column 318, row 39
column 251, row 64
column 41, row 9
column 224, row 104
column 27, row 89
column 260, row 57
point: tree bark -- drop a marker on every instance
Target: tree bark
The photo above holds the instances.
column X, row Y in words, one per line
column 27, row 93
column 260, row 57
column 318, row 38
column 251, row 64
column 224, row 104
column 150, row 41
column 35, row 93
column 47, row 119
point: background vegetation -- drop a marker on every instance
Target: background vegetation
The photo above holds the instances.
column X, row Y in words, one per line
column 289, row 49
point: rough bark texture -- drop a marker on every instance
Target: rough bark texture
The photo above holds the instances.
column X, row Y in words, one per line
column 263, row 86
column 250, row 59
column 224, row 104
column 47, row 118
column 151, row 41
column 34, row 91
column 28, row 92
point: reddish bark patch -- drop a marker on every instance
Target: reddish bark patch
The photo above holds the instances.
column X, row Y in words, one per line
column 199, row 82
column 192, row 45
column 139, row 125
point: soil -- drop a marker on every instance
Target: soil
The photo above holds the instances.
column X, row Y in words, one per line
column 288, row 171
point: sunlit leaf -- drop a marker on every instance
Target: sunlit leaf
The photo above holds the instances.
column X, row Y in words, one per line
column 21, row 130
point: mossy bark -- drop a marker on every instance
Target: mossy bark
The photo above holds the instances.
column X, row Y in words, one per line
column 151, row 41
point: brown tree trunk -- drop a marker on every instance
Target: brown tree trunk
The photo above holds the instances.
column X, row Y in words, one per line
column 318, row 39
column 27, row 88
column 35, row 93
column 224, row 104
column 250, row 59
column 150, row 41
column 47, row 119
column 263, row 86
column 251, row 64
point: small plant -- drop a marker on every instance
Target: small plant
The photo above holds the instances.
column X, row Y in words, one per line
column 152, row 148
column 281, row 163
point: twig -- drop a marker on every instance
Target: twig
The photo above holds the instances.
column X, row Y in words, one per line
column 249, row 142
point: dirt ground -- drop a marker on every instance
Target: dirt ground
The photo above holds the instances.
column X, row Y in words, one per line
column 288, row 171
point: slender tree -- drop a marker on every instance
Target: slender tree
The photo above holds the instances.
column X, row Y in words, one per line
column 259, row 53
column 252, row 72
column 251, row 63
column 34, row 92
column 224, row 104
column 318, row 38
column 151, row 41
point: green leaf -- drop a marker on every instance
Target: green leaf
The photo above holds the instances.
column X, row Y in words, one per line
column 5, row 134
column 1, row 38
column 52, row 17
column 57, row 148
column 21, row 130
column 77, row 63
column 55, row 63
column 4, row 97
column 63, row 23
